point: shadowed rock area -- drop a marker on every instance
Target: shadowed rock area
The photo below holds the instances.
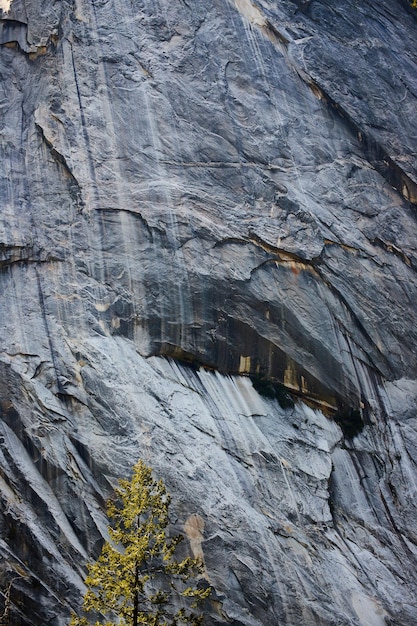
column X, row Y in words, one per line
column 201, row 203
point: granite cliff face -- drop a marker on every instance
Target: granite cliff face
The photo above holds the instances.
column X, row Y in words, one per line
column 193, row 192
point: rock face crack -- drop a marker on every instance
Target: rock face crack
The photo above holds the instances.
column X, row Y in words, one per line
column 11, row 254
column 393, row 249
column 74, row 186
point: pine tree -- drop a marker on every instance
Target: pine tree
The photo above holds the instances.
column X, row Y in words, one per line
column 137, row 580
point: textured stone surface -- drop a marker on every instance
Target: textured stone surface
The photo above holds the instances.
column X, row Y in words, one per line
column 233, row 185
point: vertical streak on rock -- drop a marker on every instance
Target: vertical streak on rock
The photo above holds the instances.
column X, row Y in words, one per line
column 91, row 200
column 48, row 333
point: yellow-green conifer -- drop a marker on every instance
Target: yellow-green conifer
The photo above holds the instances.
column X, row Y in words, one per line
column 137, row 579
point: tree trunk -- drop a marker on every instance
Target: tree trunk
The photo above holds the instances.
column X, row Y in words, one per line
column 135, row 599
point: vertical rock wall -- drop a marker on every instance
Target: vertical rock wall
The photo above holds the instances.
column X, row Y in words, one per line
column 229, row 186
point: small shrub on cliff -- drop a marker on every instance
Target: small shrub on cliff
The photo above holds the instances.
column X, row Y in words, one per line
column 350, row 421
column 137, row 580
column 271, row 389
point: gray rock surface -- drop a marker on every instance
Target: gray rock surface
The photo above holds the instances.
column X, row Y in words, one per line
column 232, row 185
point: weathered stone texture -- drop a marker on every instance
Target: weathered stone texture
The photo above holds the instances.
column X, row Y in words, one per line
column 233, row 185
